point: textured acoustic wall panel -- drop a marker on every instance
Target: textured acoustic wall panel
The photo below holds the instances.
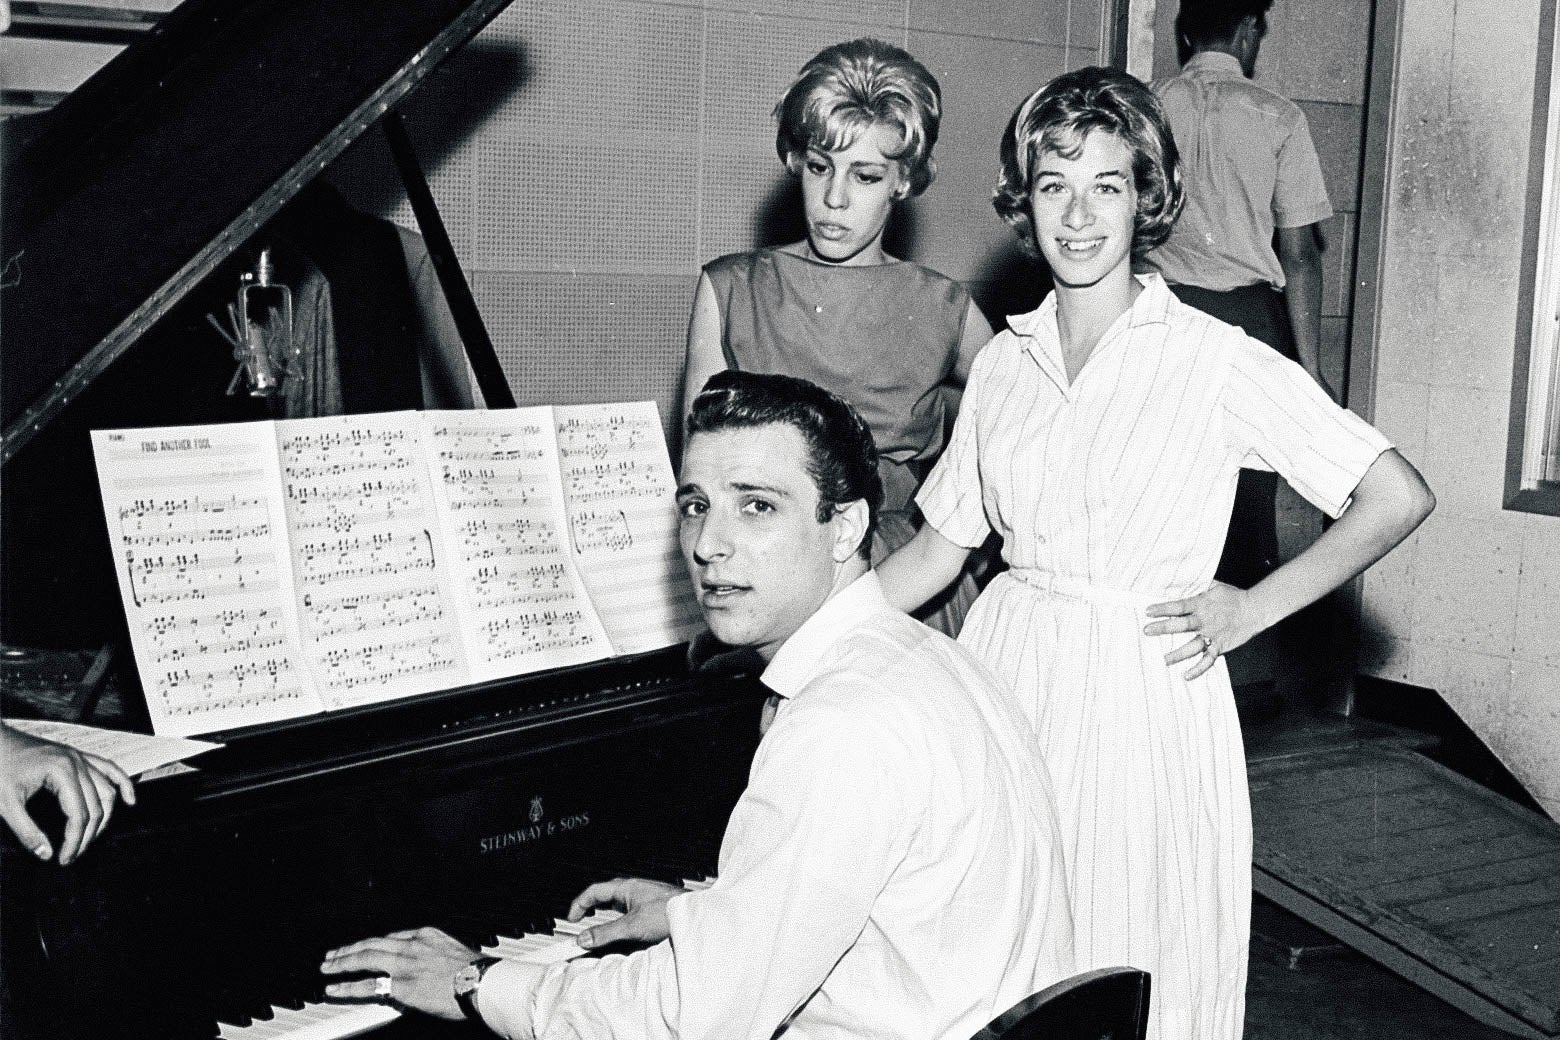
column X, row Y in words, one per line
column 592, row 165
column 1038, row 22
column 604, row 66
column 983, row 80
column 882, row 14
column 569, row 340
column 575, row 205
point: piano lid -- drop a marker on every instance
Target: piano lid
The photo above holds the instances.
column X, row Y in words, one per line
column 152, row 173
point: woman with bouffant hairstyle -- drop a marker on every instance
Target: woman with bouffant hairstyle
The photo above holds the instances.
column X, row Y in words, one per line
column 856, row 128
column 1101, row 436
column 1058, row 121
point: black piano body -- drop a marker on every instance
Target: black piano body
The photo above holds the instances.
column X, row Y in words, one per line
column 481, row 809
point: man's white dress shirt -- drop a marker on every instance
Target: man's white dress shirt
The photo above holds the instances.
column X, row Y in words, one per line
column 892, row 869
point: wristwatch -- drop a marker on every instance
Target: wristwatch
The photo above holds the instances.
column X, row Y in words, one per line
column 466, row 981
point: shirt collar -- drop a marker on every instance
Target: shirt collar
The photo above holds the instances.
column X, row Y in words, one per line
column 1152, row 307
column 800, row 656
column 1214, row 62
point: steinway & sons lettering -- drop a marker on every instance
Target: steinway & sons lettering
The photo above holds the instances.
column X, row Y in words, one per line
column 532, row 832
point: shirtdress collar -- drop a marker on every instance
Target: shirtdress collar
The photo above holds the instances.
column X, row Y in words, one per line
column 1040, row 338
column 800, row 656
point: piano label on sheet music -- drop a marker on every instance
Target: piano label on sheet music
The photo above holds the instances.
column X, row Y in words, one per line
column 278, row 569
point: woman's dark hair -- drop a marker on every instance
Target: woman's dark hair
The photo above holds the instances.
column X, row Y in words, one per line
column 841, row 455
column 1057, row 118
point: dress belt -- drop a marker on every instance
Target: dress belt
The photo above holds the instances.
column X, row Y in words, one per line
column 1074, row 588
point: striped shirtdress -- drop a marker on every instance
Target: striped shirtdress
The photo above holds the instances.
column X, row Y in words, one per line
column 1111, row 494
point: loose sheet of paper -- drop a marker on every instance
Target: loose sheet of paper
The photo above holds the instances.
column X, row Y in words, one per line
column 197, row 528
column 135, row 753
column 622, row 505
column 375, row 604
column 496, row 480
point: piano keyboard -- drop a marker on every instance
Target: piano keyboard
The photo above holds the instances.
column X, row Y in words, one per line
column 331, row 1021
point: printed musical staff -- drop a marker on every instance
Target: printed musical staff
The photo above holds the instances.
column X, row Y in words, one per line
column 359, row 499
column 271, row 570
column 627, row 553
column 198, row 530
column 498, row 479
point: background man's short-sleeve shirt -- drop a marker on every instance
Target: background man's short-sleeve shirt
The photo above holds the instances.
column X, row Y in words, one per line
column 1249, row 166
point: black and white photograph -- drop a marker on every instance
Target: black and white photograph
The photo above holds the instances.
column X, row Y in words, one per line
column 759, row 519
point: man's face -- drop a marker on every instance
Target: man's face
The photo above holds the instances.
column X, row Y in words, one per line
column 760, row 561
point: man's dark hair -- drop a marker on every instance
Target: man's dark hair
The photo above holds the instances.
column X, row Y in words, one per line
column 1204, row 22
column 841, row 455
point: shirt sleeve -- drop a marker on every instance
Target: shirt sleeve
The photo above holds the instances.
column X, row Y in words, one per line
column 810, row 845
column 1272, row 409
column 1299, row 190
column 951, row 498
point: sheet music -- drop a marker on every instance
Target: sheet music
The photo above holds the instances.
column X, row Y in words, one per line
column 496, row 481
column 621, row 499
column 375, row 606
column 135, row 753
column 199, row 540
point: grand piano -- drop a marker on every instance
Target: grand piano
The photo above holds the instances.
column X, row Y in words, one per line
column 482, row 809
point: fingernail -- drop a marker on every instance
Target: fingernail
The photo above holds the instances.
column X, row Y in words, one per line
column 586, row 940
column 42, row 850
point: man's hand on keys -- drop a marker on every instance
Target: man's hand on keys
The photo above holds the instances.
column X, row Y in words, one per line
column 642, row 902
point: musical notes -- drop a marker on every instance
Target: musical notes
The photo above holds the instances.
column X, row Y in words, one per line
column 627, row 551
column 197, row 528
column 359, row 501
column 271, row 570
column 498, row 480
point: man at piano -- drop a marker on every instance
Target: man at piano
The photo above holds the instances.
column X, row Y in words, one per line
column 892, row 869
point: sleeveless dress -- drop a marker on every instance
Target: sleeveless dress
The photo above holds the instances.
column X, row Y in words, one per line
column 884, row 337
column 1112, row 493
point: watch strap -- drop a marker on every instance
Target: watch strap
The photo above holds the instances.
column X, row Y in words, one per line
column 466, row 999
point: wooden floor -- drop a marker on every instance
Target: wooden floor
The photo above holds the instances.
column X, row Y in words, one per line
column 1450, row 885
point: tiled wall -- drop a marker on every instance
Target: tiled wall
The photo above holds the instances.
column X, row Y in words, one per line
column 590, row 155
column 1470, row 606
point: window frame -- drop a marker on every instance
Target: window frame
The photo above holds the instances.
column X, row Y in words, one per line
column 1536, row 360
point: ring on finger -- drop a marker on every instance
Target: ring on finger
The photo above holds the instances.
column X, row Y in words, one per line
column 1207, row 644
column 382, row 986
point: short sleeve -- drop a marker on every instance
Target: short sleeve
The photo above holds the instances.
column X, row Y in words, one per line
column 1274, row 410
column 950, row 498
column 1299, row 190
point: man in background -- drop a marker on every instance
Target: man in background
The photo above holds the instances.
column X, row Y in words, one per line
column 1247, row 247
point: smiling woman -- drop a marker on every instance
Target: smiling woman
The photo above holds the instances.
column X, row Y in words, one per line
column 1101, row 437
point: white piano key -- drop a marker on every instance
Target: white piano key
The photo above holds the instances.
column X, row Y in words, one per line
column 314, row 1022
